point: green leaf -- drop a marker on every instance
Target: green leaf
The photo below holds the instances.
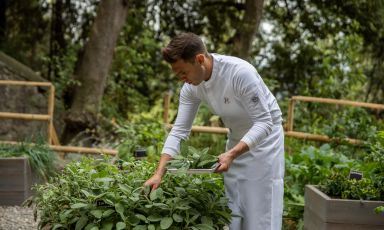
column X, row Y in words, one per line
column 140, row 227
column 56, row 226
column 81, row 222
column 91, row 226
column 64, row 215
column 141, row 217
column 154, row 218
column 120, row 225
column 97, row 213
column 86, row 193
column 104, row 179
column 146, row 190
column 108, row 212
column 161, row 205
column 206, row 220
column 153, row 195
column 177, row 218
column 166, row 222
column 120, row 209
column 151, row 227
column 203, row 227
column 133, row 220
column 125, row 189
column 78, row 205
column 107, row 226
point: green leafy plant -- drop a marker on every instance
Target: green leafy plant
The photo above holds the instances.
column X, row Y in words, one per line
column 94, row 194
column 145, row 133
column 368, row 188
column 311, row 165
column 192, row 158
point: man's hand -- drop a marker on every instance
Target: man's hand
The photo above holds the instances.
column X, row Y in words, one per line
column 225, row 161
column 153, row 182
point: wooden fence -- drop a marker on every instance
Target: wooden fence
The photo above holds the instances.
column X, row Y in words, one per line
column 52, row 139
column 288, row 127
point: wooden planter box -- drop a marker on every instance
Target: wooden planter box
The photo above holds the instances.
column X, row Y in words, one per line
column 324, row 213
column 15, row 180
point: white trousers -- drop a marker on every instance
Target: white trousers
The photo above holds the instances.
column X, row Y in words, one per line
column 254, row 185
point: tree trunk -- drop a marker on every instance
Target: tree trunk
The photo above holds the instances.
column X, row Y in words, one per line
column 93, row 66
column 247, row 29
column 3, row 21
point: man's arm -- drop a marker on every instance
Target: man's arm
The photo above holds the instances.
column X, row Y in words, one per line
column 155, row 180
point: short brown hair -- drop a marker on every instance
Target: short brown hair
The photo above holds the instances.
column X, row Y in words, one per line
column 184, row 46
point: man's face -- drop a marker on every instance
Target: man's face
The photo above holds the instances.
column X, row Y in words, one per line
column 191, row 73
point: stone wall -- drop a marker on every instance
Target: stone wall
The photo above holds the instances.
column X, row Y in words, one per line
column 21, row 99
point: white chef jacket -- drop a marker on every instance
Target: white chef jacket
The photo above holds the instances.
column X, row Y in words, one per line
column 254, row 182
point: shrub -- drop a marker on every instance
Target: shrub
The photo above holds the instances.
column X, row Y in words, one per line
column 94, row 194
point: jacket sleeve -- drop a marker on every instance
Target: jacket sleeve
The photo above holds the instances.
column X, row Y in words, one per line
column 253, row 94
column 188, row 107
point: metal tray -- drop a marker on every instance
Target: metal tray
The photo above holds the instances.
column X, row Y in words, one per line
column 191, row 171
column 194, row 171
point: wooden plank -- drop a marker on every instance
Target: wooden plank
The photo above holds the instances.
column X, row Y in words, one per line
column 339, row 102
column 204, row 129
column 11, row 198
column 72, row 149
column 340, row 211
column 322, row 138
column 25, row 83
column 15, row 180
column 25, row 116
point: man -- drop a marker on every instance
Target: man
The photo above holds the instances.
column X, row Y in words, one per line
column 253, row 164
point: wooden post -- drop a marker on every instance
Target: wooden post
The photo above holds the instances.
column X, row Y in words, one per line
column 51, row 106
column 167, row 102
column 291, row 109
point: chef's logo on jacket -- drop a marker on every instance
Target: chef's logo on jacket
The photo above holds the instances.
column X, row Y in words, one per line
column 255, row 99
column 226, row 100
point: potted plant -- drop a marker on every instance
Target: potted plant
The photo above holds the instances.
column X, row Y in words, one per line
column 349, row 201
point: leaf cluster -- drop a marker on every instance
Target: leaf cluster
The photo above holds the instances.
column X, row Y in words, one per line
column 94, row 194
column 371, row 187
column 192, row 158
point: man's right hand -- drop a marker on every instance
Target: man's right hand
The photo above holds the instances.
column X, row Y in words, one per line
column 153, row 182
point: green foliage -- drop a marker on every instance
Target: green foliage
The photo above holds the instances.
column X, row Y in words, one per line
column 311, row 165
column 192, row 158
column 138, row 76
column 372, row 167
column 145, row 133
column 338, row 122
column 379, row 209
column 41, row 158
column 95, row 194
column 340, row 186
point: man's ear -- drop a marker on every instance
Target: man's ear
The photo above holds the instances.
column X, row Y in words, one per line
column 200, row 58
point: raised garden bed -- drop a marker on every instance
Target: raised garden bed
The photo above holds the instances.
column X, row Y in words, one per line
column 15, row 180
column 324, row 213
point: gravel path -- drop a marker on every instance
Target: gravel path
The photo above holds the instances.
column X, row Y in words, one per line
column 17, row 218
